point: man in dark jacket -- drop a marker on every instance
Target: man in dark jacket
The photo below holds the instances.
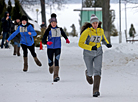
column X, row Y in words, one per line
column 43, row 25
column 6, row 25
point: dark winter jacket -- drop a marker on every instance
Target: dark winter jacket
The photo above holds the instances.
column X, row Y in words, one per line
column 26, row 39
column 14, row 27
column 43, row 26
column 6, row 24
column 54, row 35
column 132, row 31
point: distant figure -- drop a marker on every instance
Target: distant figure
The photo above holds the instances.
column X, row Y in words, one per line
column 132, row 31
column 16, row 39
column 6, row 25
column 43, row 25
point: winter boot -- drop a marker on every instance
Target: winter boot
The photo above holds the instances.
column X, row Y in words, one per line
column 51, row 69
column 25, row 64
column 37, row 61
column 96, row 85
column 18, row 51
column 56, row 77
column 15, row 50
column 89, row 78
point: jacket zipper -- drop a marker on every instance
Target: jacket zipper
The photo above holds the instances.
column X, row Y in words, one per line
column 25, row 38
column 97, row 36
column 54, row 40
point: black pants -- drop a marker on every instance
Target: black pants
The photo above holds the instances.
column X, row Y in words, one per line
column 51, row 53
column 31, row 48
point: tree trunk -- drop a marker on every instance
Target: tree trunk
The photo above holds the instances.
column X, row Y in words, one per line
column 106, row 18
column 43, row 11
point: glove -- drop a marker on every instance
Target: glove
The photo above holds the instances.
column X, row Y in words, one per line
column 94, row 48
column 67, row 41
column 109, row 45
column 49, row 43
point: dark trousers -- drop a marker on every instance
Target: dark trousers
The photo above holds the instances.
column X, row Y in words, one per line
column 51, row 53
column 31, row 48
column 5, row 36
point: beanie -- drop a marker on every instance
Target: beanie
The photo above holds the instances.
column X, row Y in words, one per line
column 24, row 18
column 53, row 18
column 94, row 18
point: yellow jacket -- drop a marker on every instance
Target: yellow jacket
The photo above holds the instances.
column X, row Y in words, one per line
column 91, row 37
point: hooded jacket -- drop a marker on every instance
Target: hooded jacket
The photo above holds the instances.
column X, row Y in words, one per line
column 26, row 39
column 6, row 24
column 91, row 37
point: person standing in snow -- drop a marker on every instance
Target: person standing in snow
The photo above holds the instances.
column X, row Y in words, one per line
column 16, row 39
column 27, row 42
column 43, row 25
column 6, row 25
column 132, row 31
column 54, row 33
column 90, row 41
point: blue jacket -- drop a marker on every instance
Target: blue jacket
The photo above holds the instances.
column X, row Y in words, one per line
column 55, row 38
column 26, row 39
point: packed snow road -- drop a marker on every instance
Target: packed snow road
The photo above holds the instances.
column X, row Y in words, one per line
column 118, row 84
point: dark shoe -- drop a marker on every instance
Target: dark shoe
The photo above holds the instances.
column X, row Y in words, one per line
column 56, row 77
column 7, row 47
column 18, row 51
column 25, row 64
column 15, row 50
column 51, row 69
column 37, row 61
column 96, row 85
column 89, row 78
column 96, row 94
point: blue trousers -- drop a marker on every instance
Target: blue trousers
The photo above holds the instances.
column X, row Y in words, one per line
column 5, row 36
column 16, row 43
column 51, row 53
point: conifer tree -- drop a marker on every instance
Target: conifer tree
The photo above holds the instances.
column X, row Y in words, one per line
column 2, row 11
column 9, row 8
column 16, row 10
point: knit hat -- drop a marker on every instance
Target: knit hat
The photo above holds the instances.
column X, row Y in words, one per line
column 53, row 18
column 94, row 18
column 24, row 18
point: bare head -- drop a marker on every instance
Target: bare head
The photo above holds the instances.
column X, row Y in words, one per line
column 17, row 20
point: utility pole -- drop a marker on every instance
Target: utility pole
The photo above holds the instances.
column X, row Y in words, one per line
column 37, row 10
column 120, row 35
column 50, row 7
column 81, row 12
column 126, row 19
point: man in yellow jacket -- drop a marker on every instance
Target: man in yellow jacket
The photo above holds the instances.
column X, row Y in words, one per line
column 90, row 41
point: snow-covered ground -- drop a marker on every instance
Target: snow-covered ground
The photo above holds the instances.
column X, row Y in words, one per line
column 118, row 84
